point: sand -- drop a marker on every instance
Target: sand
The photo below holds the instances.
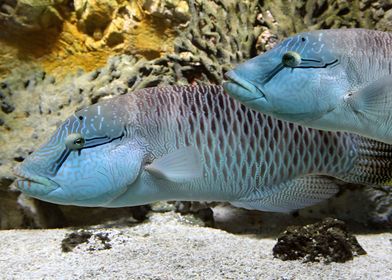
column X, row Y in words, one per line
column 169, row 247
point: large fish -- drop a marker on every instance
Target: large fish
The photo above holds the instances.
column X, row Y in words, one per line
column 339, row 80
column 194, row 143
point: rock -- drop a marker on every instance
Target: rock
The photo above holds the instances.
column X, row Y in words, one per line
column 6, row 107
column 32, row 15
column 95, row 240
column 173, row 10
column 380, row 206
column 11, row 215
column 73, row 239
column 115, row 34
column 40, row 214
column 162, row 206
column 326, row 241
column 114, row 38
column 94, row 15
column 368, row 205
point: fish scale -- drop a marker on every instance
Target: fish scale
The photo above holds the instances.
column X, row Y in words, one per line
column 254, row 144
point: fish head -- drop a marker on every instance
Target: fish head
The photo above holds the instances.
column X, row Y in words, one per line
column 86, row 162
column 299, row 80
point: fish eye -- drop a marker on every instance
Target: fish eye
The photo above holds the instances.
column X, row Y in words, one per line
column 291, row 59
column 74, row 141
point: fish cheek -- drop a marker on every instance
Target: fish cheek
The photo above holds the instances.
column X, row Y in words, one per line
column 98, row 175
column 288, row 92
column 331, row 91
column 125, row 161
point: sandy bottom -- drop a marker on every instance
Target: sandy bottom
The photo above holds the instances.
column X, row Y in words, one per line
column 167, row 247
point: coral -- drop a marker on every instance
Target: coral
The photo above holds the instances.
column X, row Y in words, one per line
column 62, row 65
column 285, row 18
column 221, row 34
column 94, row 15
column 31, row 15
column 87, row 33
column 170, row 10
column 385, row 22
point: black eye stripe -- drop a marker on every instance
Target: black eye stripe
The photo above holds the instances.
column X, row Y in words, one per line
column 325, row 65
column 90, row 143
column 278, row 68
column 94, row 142
column 97, row 138
column 275, row 71
column 313, row 60
column 64, row 155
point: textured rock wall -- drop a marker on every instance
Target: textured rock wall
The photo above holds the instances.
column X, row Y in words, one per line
column 55, row 58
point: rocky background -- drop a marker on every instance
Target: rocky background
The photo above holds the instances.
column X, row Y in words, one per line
column 60, row 55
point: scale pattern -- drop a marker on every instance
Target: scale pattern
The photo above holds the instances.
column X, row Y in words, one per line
column 240, row 148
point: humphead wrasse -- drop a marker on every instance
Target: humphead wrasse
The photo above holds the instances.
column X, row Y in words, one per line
column 194, row 143
column 338, row 80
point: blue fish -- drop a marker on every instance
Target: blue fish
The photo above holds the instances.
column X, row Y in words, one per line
column 337, row 80
column 194, row 143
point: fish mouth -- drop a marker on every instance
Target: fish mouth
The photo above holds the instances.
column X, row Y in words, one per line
column 27, row 181
column 242, row 89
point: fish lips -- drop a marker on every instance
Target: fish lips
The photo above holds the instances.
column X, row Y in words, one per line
column 243, row 90
column 32, row 183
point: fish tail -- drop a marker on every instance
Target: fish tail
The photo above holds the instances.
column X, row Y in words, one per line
column 373, row 162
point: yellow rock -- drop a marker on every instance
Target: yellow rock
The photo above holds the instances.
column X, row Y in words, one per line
column 96, row 30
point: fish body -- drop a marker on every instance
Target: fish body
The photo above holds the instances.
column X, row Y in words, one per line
column 194, row 143
column 338, row 80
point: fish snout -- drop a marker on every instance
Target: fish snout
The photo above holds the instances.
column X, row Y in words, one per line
column 240, row 88
column 28, row 181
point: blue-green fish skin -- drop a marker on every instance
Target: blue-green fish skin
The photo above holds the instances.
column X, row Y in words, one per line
column 343, row 83
column 196, row 144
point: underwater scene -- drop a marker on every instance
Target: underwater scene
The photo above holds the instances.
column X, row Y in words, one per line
column 195, row 139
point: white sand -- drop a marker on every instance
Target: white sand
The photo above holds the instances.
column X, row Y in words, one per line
column 166, row 247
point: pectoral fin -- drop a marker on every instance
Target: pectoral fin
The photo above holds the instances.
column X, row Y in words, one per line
column 179, row 166
column 374, row 100
column 291, row 195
